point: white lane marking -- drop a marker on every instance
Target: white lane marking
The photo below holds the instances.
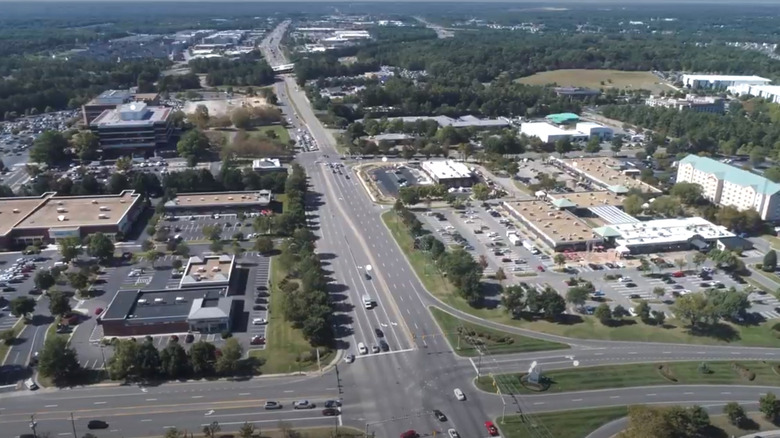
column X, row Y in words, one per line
column 288, row 391
column 576, row 399
column 650, row 395
column 615, row 396
column 151, row 399
column 687, row 393
column 539, row 403
column 197, row 396
column 100, row 403
column 50, row 406
column 146, row 420
column 244, row 393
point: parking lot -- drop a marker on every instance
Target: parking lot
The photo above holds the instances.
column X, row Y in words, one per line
column 190, row 227
column 390, row 179
column 16, row 280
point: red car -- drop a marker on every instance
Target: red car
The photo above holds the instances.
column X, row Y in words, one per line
column 540, row 268
column 491, row 428
column 409, row 434
column 257, row 340
column 98, row 311
column 678, row 274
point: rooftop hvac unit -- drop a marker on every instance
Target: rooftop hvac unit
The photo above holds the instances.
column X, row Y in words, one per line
column 179, row 299
column 16, row 210
column 143, row 301
column 216, row 198
column 103, row 208
column 61, row 210
column 61, row 218
column 102, row 216
column 202, row 199
column 59, row 202
column 94, row 201
column 230, row 198
column 159, row 300
column 121, row 201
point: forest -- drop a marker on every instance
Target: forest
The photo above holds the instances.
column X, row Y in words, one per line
column 250, row 69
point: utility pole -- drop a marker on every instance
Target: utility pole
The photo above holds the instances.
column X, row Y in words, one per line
column 33, row 424
column 73, row 423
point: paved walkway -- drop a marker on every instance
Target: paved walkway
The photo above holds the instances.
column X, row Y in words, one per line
column 766, row 434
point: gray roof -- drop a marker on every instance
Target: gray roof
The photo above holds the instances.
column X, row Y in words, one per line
column 460, row 122
column 733, row 175
column 210, row 307
column 392, row 137
column 126, row 305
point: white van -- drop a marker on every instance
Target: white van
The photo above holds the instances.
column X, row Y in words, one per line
column 368, row 302
column 30, row 384
column 459, row 394
column 362, row 348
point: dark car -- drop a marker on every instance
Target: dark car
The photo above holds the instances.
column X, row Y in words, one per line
column 630, row 284
column 127, row 255
column 379, row 333
column 383, row 345
column 634, row 296
column 260, row 300
column 330, row 412
column 189, row 338
column 332, row 404
column 439, row 415
column 262, row 287
column 97, row 424
column 258, row 307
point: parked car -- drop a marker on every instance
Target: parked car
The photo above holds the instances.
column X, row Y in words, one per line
column 349, row 358
column 410, row 434
column 257, row 340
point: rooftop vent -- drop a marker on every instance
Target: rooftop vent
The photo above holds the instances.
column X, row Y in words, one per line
column 102, row 216
column 159, row 301
column 121, row 201
column 62, row 218
column 143, row 301
column 61, row 210
column 16, row 210
column 94, row 201
column 103, row 208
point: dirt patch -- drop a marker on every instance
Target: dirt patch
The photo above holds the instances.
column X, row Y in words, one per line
column 223, row 107
column 598, row 79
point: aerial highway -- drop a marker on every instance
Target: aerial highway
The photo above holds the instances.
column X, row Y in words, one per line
column 385, row 393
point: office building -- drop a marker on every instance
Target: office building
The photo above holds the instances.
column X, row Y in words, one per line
column 719, row 82
column 448, row 173
column 576, row 92
column 550, row 133
column 111, row 99
column 208, row 270
column 268, row 165
column 133, row 127
column 731, row 186
column 221, row 202
column 48, row 218
column 709, row 104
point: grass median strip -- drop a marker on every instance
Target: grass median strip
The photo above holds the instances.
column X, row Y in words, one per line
column 286, row 349
column 644, row 374
column 14, row 332
column 578, row 326
column 463, row 334
column 569, row 424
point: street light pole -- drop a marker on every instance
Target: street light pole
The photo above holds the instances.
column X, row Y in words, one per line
column 73, row 423
column 32, row 425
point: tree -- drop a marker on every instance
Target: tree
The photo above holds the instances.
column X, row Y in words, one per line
column 553, row 305
column 212, row 232
column 620, row 312
column 216, row 246
column 174, row 363
column 202, row 357
column 512, row 299
column 681, row 263
column 482, row 260
column 264, row 245
column 100, row 246
column 594, row 145
column 193, row 145
column 172, row 432
column 78, row 280
column 691, row 307
column 22, row 306
column 241, row 118
column 200, row 117
column 642, row 310
column 659, row 292
column 211, row 430
column 227, row 364
column 563, row 146
column 247, row 430
column 59, row 303
column 617, row 144
column 49, row 148
column 70, row 248
column 698, row 259
column 147, row 360
column 735, row 413
column 480, row 191
column 57, row 361
column 603, row 313
column 176, row 264
column 577, row 295
column 773, row 173
column 152, row 256
column 659, row 317
column 559, row 260
column 86, row 144
column 124, row 164
column 688, row 193
column 632, row 204
column 182, row 249
column 769, row 406
column 44, row 279
column 770, row 261
column 500, row 275
column 122, row 364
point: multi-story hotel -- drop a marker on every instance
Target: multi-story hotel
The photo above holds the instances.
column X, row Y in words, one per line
column 731, row 186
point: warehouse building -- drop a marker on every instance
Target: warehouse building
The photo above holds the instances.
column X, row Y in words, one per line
column 607, row 173
column 558, row 228
column 133, row 127
column 48, row 218
column 168, row 311
column 664, row 235
column 768, row 92
column 727, row 185
column 449, row 173
column 721, row 82
column 268, row 165
column 708, row 104
column 550, row 133
column 221, row 202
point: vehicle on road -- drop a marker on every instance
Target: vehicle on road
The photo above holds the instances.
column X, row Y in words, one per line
column 460, row 395
column 332, row 404
column 491, row 428
column 453, row 433
column 330, row 412
column 271, row 405
column 410, row 434
column 30, row 384
column 349, row 358
column 540, row 268
column 303, row 404
column 439, row 415
column 362, row 348
column 367, row 301
column 97, row 424
column 259, row 321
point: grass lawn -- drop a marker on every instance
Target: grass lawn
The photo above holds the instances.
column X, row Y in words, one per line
column 774, row 241
column 260, row 132
column 623, row 80
column 569, row 424
column 304, row 432
column 646, row 374
column 5, row 347
column 583, row 327
column 285, row 344
column 511, row 343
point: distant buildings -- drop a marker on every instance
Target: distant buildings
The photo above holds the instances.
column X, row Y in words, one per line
column 111, row 99
column 550, row 133
column 133, row 127
column 731, row 186
column 721, row 81
column 448, row 173
column 460, row 122
column 576, row 92
column 709, row 104
column 768, row 92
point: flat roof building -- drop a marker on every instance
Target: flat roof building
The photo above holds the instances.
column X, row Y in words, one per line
column 217, row 202
column 607, row 173
column 707, row 104
column 696, row 81
column 563, row 118
column 268, row 165
column 449, row 173
column 208, row 270
column 550, row 133
column 461, row 122
column 111, row 99
column 663, row 235
column 724, row 184
column 133, row 127
column 150, row 312
column 768, row 92
column 48, row 218
column 557, row 227
column 576, row 92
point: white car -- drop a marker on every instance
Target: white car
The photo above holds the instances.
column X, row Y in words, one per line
column 362, row 348
column 453, row 433
column 631, row 311
column 259, row 321
column 460, row 395
column 349, row 358
column 625, row 279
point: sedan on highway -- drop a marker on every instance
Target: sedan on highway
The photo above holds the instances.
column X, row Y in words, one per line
column 97, row 424
column 439, row 415
column 453, row 433
column 303, row 404
column 270, row 405
column 330, row 412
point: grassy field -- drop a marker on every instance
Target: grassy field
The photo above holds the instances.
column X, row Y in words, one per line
column 285, row 344
column 646, row 374
column 260, row 132
column 510, row 343
column 624, row 80
column 569, row 424
column 583, row 327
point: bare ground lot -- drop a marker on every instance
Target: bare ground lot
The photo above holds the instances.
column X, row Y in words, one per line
column 628, row 80
column 224, row 107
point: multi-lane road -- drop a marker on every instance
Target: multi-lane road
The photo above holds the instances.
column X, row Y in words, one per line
column 386, row 393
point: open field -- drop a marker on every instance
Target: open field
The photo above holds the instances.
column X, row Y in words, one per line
column 569, row 424
column 223, row 107
column 577, row 326
column 624, row 80
column 646, row 374
column 493, row 341
column 261, row 132
column 285, row 344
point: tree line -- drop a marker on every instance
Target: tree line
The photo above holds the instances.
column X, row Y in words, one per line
column 249, row 69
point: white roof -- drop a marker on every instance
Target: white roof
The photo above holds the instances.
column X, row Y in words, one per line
column 725, row 78
column 544, row 130
column 446, row 169
column 668, row 231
